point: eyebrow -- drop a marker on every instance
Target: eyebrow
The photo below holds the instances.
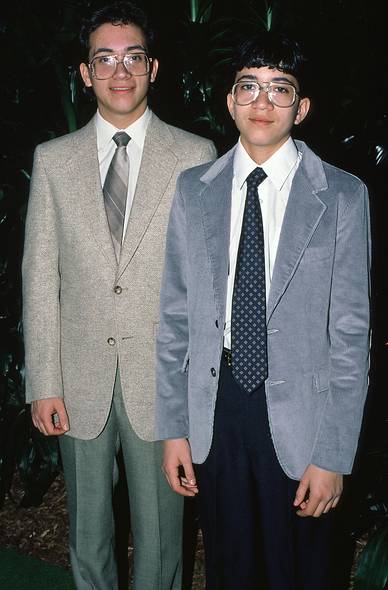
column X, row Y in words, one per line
column 108, row 50
column 277, row 79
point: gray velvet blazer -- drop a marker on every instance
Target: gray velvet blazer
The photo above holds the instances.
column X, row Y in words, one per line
column 83, row 313
column 317, row 314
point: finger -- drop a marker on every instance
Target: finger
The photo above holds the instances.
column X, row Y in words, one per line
column 328, row 506
column 335, row 501
column 311, row 507
column 189, row 473
column 187, row 486
column 174, row 481
column 61, row 419
column 301, row 493
column 321, row 508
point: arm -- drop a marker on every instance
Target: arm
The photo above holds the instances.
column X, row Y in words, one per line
column 349, row 337
column 321, row 485
column 41, row 322
column 173, row 336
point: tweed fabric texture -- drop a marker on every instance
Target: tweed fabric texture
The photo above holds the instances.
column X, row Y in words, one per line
column 69, row 251
column 249, row 332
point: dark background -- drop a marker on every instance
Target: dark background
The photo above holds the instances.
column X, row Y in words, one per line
column 42, row 97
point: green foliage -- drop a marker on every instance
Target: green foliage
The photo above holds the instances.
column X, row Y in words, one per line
column 372, row 570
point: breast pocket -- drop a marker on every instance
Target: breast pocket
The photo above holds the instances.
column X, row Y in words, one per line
column 315, row 253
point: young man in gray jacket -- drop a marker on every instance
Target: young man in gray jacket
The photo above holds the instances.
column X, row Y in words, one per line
column 264, row 335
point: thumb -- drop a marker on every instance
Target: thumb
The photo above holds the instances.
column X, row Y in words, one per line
column 63, row 419
column 189, row 472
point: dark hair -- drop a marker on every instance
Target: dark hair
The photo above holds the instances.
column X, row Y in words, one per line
column 272, row 50
column 118, row 13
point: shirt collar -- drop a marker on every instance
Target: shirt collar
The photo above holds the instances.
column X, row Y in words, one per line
column 136, row 131
column 278, row 167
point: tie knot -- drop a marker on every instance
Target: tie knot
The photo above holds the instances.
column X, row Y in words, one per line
column 256, row 177
column 121, row 138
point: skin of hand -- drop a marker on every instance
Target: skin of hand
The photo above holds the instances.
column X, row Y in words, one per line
column 178, row 467
column 318, row 492
column 50, row 416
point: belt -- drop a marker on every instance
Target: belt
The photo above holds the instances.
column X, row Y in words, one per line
column 227, row 356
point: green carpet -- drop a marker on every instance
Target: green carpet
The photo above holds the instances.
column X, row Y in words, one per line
column 22, row 572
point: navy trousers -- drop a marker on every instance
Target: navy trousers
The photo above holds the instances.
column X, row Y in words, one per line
column 253, row 539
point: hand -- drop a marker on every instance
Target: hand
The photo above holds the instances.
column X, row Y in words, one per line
column 50, row 416
column 177, row 460
column 318, row 492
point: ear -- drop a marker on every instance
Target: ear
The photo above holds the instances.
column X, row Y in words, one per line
column 85, row 74
column 230, row 103
column 154, row 70
column 303, row 109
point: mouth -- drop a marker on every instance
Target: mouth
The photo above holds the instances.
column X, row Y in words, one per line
column 260, row 121
column 120, row 89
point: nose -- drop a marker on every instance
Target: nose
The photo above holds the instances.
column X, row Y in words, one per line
column 262, row 101
column 121, row 71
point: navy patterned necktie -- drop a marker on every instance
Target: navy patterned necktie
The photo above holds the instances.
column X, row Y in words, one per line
column 116, row 188
column 249, row 330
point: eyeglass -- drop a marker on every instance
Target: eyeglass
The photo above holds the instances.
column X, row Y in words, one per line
column 280, row 94
column 103, row 67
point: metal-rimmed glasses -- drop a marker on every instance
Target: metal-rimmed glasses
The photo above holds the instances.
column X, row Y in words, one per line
column 103, row 67
column 280, row 94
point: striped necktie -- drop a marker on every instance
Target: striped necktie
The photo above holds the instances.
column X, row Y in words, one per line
column 115, row 190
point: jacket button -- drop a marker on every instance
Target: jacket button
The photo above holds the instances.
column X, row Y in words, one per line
column 118, row 290
column 216, row 323
column 213, row 371
column 111, row 341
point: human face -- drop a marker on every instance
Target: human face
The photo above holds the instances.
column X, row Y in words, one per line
column 263, row 126
column 121, row 99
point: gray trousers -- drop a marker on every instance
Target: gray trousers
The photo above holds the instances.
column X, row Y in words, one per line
column 156, row 511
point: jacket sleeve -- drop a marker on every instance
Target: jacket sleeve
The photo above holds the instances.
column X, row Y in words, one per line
column 41, row 288
column 173, row 337
column 337, row 438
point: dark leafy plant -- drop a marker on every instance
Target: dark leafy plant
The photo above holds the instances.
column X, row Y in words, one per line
column 372, row 570
column 39, row 103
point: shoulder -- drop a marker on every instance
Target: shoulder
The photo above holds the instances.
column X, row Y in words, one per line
column 67, row 144
column 329, row 181
column 181, row 142
column 186, row 138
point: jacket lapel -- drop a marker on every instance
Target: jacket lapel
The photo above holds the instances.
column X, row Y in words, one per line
column 157, row 167
column 84, row 173
column 216, row 206
column 303, row 213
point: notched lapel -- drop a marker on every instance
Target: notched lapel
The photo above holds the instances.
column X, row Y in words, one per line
column 157, row 167
column 216, row 206
column 85, row 174
column 303, row 213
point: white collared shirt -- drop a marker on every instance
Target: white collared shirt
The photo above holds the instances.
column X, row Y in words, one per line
column 106, row 148
column 273, row 196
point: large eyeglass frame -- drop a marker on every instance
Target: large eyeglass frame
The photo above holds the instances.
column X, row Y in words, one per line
column 266, row 86
column 148, row 62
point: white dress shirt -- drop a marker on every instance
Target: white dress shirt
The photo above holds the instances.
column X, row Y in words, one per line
column 273, row 192
column 106, row 148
